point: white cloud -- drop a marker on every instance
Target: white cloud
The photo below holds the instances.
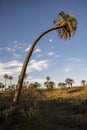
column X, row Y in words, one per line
column 40, row 80
column 51, row 53
column 9, row 49
column 38, row 65
column 11, row 67
column 13, row 63
column 27, row 49
column 74, row 59
column 67, row 69
column 16, row 55
column 37, row 50
column 14, row 67
column 32, row 61
column 40, row 55
column 15, row 41
column 57, row 56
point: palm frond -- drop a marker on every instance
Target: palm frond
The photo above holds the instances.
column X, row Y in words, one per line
column 68, row 25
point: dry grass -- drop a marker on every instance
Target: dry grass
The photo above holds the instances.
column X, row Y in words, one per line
column 59, row 109
column 66, row 93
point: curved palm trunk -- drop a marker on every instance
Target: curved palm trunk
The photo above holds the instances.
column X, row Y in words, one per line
column 22, row 74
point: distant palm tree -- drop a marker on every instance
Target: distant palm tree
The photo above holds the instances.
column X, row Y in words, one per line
column 65, row 26
column 6, row 77
column 83, row 82
column 10, row 78
column 34, row 85
column 49, row 84
column 48, row 78
column 1, row 85
column 46, row 83
column 69, row 82
column 25, row 78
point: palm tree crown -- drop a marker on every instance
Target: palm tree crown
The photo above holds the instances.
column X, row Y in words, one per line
column 70, row 23
column 69, row 82
column 10, row 78
column 6, row 77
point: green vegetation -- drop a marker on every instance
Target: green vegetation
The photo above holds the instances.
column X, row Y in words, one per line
column 42, row 109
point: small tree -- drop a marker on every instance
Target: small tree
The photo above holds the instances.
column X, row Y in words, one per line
column 34, row 85
column 1, row 85
column 6, row 77
column 10, row 78
column 83, row 82
column 69, row 82
column 49, row 84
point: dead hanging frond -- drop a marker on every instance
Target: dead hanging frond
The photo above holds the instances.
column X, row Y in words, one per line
column 68, row 25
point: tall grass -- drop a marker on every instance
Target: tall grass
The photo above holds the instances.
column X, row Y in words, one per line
column 60, row 109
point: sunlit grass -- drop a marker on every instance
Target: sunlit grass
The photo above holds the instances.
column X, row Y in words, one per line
column 58, row 109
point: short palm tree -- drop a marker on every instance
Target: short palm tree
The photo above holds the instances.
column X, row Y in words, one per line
column 1, row 86
column 65, row 26
column 6, row 77
column 83, row 82
column 51, row 85
column 69, row 82
column 10, row 78
column 46, row 83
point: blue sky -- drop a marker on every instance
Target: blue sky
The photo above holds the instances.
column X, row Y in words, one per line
column 21, row 21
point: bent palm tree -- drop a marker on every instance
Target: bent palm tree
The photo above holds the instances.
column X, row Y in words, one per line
column 65, row 26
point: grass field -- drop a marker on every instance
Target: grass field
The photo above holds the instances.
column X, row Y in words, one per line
column 59, row 109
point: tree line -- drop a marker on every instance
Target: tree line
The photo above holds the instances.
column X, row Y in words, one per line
column 48, row 84
column 6, row 77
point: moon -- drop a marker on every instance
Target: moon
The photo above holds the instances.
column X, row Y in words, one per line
column 50, row 40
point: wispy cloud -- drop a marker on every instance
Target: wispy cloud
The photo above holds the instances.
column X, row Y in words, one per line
column 39, row 55
column 57, row 56
column 17, row 56
column 40, row 80
column 51, row 53
column 67, row 69
column 11, row 67
column 37, row 50
column 27, row 49
column 38, row 65
column 73, row 59
column 9, row 49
